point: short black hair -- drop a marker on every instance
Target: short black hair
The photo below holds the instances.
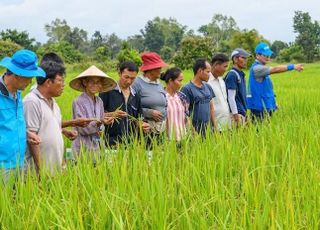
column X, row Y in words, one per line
column 219, row 58
column 199, row 64
column 172, row 73
column 52, row 69
column 51, row 56
column 129, row 65
column 8, row 72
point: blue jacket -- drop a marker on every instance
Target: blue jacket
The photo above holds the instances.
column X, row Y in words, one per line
column 13, row 138
column 260, row 94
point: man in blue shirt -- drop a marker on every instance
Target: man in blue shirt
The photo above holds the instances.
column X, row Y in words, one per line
column 199, row 95
column 261, row 98
column 236, row 86
column 13, row 135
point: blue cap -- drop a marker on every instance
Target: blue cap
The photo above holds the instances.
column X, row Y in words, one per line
column 23, row 63
column 264, row 49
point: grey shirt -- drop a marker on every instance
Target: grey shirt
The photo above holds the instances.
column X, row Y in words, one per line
column 153, row 97
column 260, row 72
column 46, row 122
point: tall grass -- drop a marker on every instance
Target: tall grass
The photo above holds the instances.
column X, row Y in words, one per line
column 262, row 176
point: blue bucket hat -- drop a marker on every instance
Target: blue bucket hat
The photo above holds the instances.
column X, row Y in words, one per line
column 263, row 49
column 23, row 63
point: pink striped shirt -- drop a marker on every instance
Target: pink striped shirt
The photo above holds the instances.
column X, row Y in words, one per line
column 176, row 118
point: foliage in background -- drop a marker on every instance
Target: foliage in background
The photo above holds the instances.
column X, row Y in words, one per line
column 192, row 48
column 129, row 54
column 277, row 46
column 20, row 38
column 220, row 29
column 7, row 48
column 64, row 49
column 293, row 53
column 165, row 36
column 308, row 37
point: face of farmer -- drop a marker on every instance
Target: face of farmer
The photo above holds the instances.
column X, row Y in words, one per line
column 126, row 78
column 92, row 85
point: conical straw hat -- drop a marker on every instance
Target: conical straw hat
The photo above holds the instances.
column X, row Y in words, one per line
column 107, row 82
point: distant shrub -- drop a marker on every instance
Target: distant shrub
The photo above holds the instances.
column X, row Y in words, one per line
column 64, row 49
column 128, row 54
column 7, row 48
column 193, row 47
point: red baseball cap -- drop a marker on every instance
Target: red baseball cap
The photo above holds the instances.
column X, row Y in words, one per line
column 151, row 60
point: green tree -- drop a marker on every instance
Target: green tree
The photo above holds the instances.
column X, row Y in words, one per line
column 220, row 29
column 193, row 47
column 129, row 54
column 96, row 40
column 8, row 48
column 20, row 38
column 136, row 42
column 293, row 53
column 248, row 40
column 114, row 43
column 277, row 46
column 102, row 53
column 160, row 33
column 64, row 49
column 153, row 36
column 60, row 31
column 308, row 37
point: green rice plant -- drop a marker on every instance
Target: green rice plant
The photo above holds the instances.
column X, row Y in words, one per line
column 263, row 176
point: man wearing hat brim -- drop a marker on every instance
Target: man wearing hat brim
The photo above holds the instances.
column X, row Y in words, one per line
column 20, row 69
column 236, row 85
column 261, row 98
column 88, row 105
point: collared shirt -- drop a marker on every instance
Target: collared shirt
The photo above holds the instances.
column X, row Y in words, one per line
column 235, row 80
column 220, row 101
column 120, row 130
column 157, row 81
column 88, row 137
column 5, row 87
column 176, row 117
column 132, row 91
column 44, row 118
column 12, row 129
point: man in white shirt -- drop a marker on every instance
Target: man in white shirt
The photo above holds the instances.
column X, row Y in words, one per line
column 219, row 65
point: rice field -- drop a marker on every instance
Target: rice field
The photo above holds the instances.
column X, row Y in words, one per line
column 264, row 176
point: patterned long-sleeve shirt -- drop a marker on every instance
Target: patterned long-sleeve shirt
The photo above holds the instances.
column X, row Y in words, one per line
column 88, row 137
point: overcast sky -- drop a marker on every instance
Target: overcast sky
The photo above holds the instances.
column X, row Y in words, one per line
column 272, row 18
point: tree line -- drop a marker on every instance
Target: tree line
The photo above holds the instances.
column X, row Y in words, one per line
column 173, row 41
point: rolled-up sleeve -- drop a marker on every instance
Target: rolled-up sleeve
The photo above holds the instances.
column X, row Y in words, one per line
column 32, row 114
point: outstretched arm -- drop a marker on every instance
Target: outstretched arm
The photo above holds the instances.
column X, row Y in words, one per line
column 285, row 68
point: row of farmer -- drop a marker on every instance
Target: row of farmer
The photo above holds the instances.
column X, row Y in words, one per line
column 125, row 107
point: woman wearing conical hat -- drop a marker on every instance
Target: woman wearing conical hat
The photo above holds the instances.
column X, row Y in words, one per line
column 88, row 105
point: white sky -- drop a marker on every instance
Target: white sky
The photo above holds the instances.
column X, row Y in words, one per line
column 272, row 18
